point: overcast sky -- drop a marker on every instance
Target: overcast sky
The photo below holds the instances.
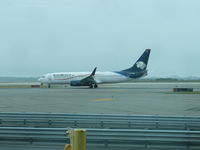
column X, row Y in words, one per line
column 42, row 36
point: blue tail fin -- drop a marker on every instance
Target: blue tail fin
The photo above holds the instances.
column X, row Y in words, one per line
column 141, row 64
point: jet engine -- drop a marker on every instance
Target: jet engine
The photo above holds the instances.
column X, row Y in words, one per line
column 78, row 83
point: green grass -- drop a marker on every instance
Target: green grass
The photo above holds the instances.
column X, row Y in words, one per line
column 194, row 92
column 14, row 86
column 19, row 86
column 23, row 86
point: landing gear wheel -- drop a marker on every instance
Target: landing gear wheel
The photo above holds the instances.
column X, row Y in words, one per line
column 49, row 85
column 95, row 86
column 91, row 86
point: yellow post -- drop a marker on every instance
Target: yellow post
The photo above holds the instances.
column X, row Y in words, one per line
column 68, row 147
column 77, row 139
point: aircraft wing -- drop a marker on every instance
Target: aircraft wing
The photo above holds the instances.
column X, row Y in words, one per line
column 87, row 81
column 90, row 79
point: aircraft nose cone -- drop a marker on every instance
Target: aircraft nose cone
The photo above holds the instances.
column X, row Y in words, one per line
column 39, row 79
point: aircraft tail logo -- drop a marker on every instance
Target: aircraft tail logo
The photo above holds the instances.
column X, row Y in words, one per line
column 141, row 65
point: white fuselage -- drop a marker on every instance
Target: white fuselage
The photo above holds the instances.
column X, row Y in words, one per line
column 92, row 79
column 67, row 77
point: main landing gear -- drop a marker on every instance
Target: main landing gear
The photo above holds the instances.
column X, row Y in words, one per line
column 93, row 86
column 49, row 85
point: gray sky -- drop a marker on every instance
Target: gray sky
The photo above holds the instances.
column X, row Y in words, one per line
column 42, row 36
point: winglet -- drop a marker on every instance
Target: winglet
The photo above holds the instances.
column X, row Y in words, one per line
column 93, row 72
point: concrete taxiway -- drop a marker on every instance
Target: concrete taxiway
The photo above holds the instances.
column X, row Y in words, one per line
column 125, row 98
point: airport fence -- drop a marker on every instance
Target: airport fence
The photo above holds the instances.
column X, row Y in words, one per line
column 59, row 120
column 133, row 138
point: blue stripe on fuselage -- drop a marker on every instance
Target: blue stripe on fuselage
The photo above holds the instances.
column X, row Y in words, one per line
column 122, row 73
column 132, row 75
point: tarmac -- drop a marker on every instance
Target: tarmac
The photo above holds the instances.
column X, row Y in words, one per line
column 140, row 98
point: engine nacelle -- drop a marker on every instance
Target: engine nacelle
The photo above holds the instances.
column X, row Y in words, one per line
column 78, row 83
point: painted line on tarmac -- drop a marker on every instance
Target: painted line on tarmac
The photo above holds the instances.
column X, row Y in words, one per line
column 104, row 99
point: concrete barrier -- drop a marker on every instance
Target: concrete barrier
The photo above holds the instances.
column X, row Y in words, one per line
column 182, row 89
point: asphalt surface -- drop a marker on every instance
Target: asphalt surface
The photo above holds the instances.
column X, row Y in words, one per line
column 126, row 98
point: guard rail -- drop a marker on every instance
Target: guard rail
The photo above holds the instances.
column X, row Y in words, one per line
column 99, row 121
column 103, row 137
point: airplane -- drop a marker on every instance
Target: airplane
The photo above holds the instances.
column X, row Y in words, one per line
column 138, row 70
